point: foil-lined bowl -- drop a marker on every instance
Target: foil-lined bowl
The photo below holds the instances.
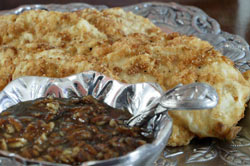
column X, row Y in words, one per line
column 132, row 97
column 147, row 103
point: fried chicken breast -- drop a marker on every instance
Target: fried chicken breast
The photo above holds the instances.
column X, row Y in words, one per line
column 128, row 48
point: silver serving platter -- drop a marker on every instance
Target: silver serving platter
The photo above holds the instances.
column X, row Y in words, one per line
column 191, row 21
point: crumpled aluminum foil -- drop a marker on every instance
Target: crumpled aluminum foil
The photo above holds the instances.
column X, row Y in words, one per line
column 139, row 99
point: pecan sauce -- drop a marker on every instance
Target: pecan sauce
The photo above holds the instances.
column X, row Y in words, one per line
column 68, row 131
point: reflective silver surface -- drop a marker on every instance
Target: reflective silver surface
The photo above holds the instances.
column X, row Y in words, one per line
column 139, row 99
column 135, row 98
column 192, row 21
column 194, row 96
column 190, row 97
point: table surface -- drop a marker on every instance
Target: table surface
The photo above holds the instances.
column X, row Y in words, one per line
column 233, row 15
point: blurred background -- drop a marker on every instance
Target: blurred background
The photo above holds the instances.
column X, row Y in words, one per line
column 233, row 15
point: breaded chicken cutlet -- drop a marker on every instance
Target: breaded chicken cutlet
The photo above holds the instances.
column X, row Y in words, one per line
column 128, row 48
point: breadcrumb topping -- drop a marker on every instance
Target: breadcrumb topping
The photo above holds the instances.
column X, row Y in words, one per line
column 128, row 48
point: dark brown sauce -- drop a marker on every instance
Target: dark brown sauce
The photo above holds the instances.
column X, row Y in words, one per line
column 67, row 131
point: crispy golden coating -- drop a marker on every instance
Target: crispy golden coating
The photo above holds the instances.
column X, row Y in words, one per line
column 128, row 48
column 170, row 60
